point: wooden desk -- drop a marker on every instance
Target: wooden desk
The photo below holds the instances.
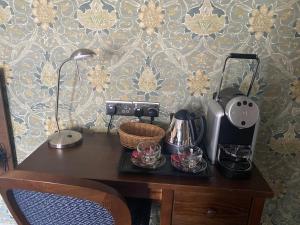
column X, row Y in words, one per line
column 184, row 201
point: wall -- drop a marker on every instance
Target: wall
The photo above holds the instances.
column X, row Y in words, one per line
column 170, row 51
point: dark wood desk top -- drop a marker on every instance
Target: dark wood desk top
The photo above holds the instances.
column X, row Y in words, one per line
column 98, row 156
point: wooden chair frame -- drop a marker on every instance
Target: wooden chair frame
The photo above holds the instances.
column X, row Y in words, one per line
column 6, row 132
column 77, row 188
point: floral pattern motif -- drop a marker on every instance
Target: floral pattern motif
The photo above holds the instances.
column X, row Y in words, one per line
column 97, row 18
column 279, row 188
column 50, row 126
column 19, row 128
column 150, row 17
column 5, row 14
column 48, row 75
column 99, row 78
column 147, row 81
column 169, row 51
column 295, row 90
column 44, row 13
column 288, row 144
column 198, row 84
column 261, row 21
column 205, row 22
column 7, row 73
column 257, row 87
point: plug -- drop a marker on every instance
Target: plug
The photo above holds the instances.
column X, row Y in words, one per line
column 153, row 112
column 138, row 112
column 111, row 109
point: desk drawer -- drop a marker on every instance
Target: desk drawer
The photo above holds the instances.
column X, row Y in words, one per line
column 213, row 208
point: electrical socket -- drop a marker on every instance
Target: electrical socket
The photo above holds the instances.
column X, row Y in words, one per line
column 145, row 106
column 126, row 108
column 119, row 108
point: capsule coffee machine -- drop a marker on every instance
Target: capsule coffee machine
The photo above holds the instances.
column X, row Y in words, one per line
column 232, row 125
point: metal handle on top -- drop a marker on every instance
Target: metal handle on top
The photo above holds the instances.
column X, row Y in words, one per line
column 242, row 56
column 239, row 56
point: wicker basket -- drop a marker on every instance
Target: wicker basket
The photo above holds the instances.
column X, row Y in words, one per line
column 132, row 133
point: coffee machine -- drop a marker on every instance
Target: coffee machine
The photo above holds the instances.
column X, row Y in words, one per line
column 232, row 126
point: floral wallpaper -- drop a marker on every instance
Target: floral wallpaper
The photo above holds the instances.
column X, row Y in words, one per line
column 167, row 51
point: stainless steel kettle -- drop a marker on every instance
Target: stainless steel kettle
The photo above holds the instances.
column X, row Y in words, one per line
column 182, row 131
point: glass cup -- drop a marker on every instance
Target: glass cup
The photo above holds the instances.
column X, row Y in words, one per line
column 190, row 157
column 149, row 152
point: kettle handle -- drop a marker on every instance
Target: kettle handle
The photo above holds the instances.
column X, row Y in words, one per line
column 171, row 117
column 202, row 129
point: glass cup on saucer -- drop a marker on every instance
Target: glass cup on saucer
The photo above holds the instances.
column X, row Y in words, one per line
column 190, row 157
column 149, row 152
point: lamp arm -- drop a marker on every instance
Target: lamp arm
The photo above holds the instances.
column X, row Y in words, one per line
column 57, row 93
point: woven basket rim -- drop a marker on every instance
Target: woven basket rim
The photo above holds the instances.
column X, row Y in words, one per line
column 162, row 131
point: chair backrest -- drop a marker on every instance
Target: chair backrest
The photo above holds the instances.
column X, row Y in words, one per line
column 7, row 147
column 38, row 199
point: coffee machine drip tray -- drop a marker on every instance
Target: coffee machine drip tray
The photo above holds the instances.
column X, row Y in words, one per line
column 237, row 152
column 241, row 166
column 234, row 161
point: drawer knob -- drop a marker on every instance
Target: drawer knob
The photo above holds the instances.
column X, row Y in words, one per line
column 211, row 212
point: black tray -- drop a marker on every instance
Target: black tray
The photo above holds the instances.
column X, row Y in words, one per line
column 126, row 166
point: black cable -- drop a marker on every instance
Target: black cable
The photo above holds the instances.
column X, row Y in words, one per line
column 109, row 124
column 152, row 119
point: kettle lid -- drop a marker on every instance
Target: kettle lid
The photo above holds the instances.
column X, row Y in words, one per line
column 182, row 114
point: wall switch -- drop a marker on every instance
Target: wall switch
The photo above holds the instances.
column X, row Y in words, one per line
column 126, row 108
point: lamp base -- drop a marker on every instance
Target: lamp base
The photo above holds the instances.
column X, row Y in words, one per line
column 65, row 139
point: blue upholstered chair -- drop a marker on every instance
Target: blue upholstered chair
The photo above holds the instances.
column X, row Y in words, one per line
column 40, row 199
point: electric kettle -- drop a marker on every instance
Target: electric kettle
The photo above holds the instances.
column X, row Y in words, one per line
column 183, row 132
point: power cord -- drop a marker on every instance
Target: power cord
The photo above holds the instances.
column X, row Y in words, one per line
column 152, row 119
column 110, row 110
column 109, row 124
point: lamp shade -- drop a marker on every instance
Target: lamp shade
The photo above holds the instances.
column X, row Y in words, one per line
column 81, row 54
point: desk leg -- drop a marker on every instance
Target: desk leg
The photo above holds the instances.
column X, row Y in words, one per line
column 256, row 211
column 166, row 208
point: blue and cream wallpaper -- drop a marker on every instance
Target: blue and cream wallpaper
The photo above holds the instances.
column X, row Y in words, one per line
column 167, row 51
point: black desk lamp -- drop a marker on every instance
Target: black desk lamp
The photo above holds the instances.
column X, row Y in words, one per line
column 67, row 138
